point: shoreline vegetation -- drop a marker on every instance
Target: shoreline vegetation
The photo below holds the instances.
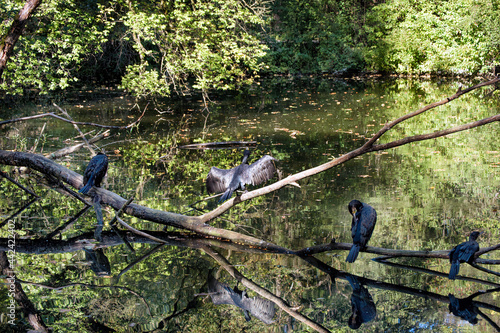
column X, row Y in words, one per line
column 166, row 49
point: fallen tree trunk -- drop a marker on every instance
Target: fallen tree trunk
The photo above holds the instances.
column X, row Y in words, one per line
column 192, row 223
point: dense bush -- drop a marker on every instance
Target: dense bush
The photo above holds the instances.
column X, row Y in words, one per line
column 165, row 47
column 416, row 36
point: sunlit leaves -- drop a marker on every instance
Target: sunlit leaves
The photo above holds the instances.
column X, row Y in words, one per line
column 57, row 39
column 432, row 37
column 208, row 41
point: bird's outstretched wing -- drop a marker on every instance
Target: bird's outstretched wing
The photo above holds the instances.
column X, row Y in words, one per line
column 218, row 180
column 219, row 292
column 260, row 171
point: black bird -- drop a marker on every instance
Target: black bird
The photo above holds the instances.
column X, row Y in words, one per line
column 364, row 218
column 228, row 181
column 463, row 252
column 258, row 307
column 362, row 305
column 95, row 172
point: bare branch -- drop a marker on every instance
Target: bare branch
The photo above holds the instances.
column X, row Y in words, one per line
column 366, row 148
column 50, row 114
column 68, row 150
column 77, row 128
column 393, row 123
column 434, row 135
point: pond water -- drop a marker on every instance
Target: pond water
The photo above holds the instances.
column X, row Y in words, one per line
column 428, row 195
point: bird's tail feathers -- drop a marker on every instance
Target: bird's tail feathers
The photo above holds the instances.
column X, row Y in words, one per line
column 226, row 195
column 88, row 186
column 455, row 267
column 353, row 253
column 85, row 189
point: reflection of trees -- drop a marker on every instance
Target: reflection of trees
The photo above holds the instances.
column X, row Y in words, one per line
column 361, row 303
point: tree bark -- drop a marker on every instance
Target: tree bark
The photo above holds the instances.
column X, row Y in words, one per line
column 15, row 31
column 193, row 223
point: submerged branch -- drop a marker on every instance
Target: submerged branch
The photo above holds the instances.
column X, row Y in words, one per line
column 197, row 224
column 68, row 150
column 390, row 253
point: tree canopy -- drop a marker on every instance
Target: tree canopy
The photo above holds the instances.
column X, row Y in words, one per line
column 160, row 48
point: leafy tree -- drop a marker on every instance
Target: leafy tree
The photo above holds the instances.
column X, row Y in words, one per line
column 316, row 36
column 168, row 44
column 56, row 40
column 206, row 40
column 408, row 36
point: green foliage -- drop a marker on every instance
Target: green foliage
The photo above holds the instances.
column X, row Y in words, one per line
column 143, row 82
column 56, row 40
column 158, row 48
column 408, row 36
column 315, row 36
column 209, row 41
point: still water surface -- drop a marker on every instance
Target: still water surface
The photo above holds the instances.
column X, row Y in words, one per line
column 428, row 195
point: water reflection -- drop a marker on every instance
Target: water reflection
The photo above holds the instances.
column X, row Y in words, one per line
column 99, row 263
column 258, row 307
column 362, row 305
column 264, row 306
column 428, row 195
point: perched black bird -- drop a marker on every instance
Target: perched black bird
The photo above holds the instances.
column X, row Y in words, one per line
column 463, row 252
column 258, row 307
column 95, row 172
column 362, row 305
column 228, row 181
column 364, row 218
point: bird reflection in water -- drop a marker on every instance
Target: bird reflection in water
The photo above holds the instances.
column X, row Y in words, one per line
column 463, row 308
column 228, row 181
column 260, row 308
column 362, row 305
column 99, row 263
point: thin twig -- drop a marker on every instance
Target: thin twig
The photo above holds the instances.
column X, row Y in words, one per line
column 489, row 271
column 19, row 211
column 50, row 114
column 78, row 284
column 140, row 233
column 12, row 180
column 68, row 150
column 67, row 224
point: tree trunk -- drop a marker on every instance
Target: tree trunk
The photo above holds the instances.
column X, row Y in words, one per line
column 15, row 31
